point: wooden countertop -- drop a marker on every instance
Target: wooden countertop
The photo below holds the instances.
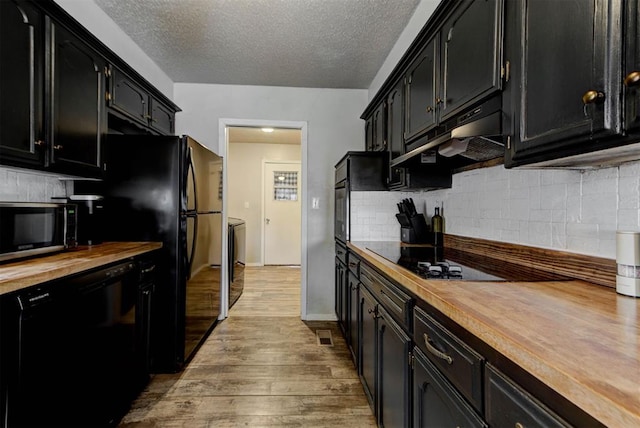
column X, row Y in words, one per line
column 580, row 339
column 21, row 274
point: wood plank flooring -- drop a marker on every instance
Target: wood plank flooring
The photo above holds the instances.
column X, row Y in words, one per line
column 261, row 367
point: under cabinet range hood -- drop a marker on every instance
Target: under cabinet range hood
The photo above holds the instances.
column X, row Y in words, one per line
column 475, row 136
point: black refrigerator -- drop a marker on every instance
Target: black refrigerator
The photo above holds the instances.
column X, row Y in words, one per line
column 169, row 189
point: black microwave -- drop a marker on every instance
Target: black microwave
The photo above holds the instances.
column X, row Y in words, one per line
column 29, row 229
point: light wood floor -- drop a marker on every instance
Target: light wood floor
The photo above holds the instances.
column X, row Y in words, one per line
column 261, row 367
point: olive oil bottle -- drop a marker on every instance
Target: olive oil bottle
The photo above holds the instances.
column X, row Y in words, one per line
column 437, row 227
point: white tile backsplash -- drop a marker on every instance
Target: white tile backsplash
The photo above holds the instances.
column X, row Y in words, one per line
column 18, row 185
column 568, row 210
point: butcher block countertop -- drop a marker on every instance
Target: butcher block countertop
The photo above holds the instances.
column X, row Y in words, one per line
column 21, row 274
column 580, row 339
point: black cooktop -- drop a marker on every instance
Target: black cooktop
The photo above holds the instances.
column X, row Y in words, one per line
column 450, row 264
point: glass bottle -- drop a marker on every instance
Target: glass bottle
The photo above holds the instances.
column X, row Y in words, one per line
column 437, row 228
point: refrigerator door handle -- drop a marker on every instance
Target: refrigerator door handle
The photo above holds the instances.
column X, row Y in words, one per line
column 192, row 167
column 194, row 240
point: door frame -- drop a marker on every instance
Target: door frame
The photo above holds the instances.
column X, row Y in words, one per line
column 263, row 213
column 223, row 146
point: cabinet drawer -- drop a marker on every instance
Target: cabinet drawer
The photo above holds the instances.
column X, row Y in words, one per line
column 395, row 301
column 457, row 361
column 341, row 253
column 354, row 264
column 509, row 405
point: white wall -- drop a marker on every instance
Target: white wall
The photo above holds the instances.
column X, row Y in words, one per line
column 245, row 183
column 334, row 127
column 87, row 13
column 420, row 16
column 568, row 210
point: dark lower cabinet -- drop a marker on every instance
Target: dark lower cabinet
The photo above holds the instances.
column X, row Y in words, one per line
column 368, row 309
column 76, row 351
column 394, row 373
column 341, row 293
column 509, row 405
column 353, row 336
column 436, row 403
column 21, row 84
column 78, row 122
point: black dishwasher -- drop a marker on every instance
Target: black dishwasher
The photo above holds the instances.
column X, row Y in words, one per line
column 80, row 353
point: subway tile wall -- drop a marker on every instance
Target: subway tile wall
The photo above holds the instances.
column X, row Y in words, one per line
column 18, row 185
column 569, row 210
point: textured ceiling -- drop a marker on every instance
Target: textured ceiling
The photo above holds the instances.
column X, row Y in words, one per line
column 300, row 43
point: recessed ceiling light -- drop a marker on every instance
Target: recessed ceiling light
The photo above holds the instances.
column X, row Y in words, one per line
column 267, row 129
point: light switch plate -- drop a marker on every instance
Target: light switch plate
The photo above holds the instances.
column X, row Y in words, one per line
column 315, row 203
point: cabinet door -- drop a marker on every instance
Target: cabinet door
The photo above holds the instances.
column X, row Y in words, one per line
column 354, row 317
column 394, row 384
column 21, row 71
column 127, row 97
column 337, row 281
column 420, row 115
column 568, row 92
column 471, row 55
column 368, row 309
column 631, row 71
column 368, row 134
column 509, row 405
column 78, row 121
column 435, row 402
column 162, row 118
column 395, row 131
column 379, row 128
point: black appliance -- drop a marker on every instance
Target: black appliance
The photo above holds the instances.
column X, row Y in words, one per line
column 77, row 359
column 90, row 218
column 29, row 229
column 356, row 171
column 439, row 263
column 169, row 189
column 236, row 258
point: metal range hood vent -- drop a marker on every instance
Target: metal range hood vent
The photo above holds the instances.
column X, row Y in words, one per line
column 478, row 140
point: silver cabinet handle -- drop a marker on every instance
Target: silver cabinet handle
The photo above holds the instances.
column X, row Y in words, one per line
column 436, row 352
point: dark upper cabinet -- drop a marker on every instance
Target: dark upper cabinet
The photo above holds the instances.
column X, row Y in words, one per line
column 470, row 55
column 421, row 78
column 631, row 69
column 459, row 66
column 162, row 117
column 435, row 403
column 395, row 131
column 368, row 134
column 565, row 79
column 21, row 84
column 77, row 116
column 127, row 98
column 379, row 128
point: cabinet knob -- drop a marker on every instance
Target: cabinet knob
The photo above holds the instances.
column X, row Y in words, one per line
column 439, row 101
column 429, row 109
column 39, row 143
column 58, row 147
column 632, row 79
column 592, row 97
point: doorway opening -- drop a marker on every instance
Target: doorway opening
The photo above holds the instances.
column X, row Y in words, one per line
column 271, row 163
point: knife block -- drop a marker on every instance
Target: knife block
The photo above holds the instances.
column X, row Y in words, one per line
column 416, row 232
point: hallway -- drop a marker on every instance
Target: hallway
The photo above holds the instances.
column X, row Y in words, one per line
column 261, row 367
